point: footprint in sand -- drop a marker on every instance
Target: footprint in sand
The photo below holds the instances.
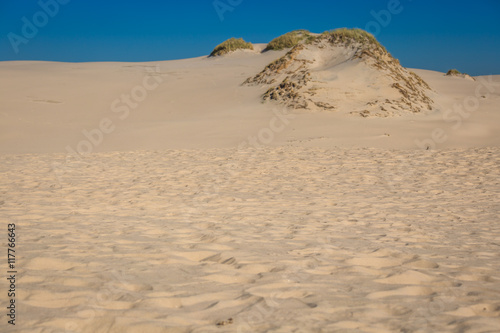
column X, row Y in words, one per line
column 483, row 310
column 424, row 264
column 405, row 291
column 196, row 256
column 162, row 302
column 277, row 290
column 228, row 279
column 53, row 300
column 40, row 263
column 374, row 262
column 408, row 277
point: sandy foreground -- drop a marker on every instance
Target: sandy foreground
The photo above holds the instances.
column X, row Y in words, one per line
column 200, row 209
column 278, row 239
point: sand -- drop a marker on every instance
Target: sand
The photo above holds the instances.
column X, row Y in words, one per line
column 321, row 240
column 201, row 103
column 205, row 210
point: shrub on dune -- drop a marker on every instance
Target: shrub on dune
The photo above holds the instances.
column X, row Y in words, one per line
column 231, row 45
column 453, row 72
column 287, row 40
column 457, row 73
column 347, row 36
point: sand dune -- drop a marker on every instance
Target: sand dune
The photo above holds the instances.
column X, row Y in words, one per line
column 167, row 197
column 200, row 103
column 336, row 72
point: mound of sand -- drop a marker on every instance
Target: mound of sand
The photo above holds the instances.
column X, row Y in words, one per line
column 345, row 70
column 457, row 73
column 199, row 103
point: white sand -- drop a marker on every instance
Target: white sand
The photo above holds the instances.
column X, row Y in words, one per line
column 200, row 103
column 338, row 224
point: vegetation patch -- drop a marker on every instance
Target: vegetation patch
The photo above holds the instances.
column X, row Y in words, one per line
column 457, row 73
column 288, row 40
column 231, row 45
column 454, row 72
column 348, row 36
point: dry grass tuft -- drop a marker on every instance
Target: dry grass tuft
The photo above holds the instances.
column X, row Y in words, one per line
column 453, row 72
column 348, row 36
column 288, row 40
column 231, row 45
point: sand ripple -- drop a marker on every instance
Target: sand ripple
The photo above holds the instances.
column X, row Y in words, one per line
column 321, row 240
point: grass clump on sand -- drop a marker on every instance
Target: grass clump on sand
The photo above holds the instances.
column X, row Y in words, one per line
column 349, row 35
column 230, row 45
column 457, row 73
column 342, row 35
column 453, row 72
column 287, row 40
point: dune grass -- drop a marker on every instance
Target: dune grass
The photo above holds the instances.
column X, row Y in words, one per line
column 349, row 35
column 293, row 38
column 454, row 72
column 287, row 40
column 231, row 45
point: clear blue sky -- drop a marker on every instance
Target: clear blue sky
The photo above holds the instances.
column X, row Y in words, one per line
column 437, row 35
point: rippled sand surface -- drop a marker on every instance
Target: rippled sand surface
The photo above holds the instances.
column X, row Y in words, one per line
column 267, row 240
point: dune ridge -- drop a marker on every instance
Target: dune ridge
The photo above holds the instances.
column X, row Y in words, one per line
column 327, row 81
column 307, row 77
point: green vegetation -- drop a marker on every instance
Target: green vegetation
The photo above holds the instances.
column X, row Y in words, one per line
column 342, row 35
column 288, row 40
column 231, row 45
column 293, row 38
column 349, row 35
column 453, row 72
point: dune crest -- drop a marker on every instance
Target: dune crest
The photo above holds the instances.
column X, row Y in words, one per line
column 456, row 73
column 344, row 70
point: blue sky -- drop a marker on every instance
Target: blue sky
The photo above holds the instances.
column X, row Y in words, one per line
column 436, row 35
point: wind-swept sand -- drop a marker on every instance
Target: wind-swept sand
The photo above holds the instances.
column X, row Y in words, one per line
column 205, row 210
column 322, row 240
column 201, row 103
